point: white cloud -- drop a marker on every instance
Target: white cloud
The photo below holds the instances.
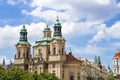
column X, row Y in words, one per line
column 76, row 29
column 105, row 32
column 73, row 29
column 14, row 2
column 11, row 2
column 103, row 2
column 114, row 31
column 100, row 34
column 87, row 50
column 75, row 10
column 10, row 34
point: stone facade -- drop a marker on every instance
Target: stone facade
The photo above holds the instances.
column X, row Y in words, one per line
column 49, row 55
column 91, row 68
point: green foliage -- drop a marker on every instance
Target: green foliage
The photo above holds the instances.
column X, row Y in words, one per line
column 110, row 77
column 91, row 78
column 16, row 73
column 48, row 76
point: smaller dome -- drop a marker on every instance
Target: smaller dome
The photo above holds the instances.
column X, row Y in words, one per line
column 70, row 52
column 47, row 28
column 117, row 55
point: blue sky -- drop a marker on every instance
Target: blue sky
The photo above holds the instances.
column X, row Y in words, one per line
column 90, row 27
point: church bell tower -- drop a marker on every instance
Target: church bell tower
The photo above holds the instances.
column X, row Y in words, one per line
column 57, row 44
column 22, row 55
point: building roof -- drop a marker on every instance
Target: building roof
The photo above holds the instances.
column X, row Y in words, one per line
column 47, row 28
column 117, row 55
column 43, row 41
column 70, row 57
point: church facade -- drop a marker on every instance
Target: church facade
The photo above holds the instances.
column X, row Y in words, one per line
column 49, row 55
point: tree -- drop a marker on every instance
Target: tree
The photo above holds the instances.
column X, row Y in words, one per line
column 91, row 78
column 2, row 72
column 48, row 76
column 15, row 73
column 110, row 77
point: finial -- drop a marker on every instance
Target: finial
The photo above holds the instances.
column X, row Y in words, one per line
column 57, row 18
column 24, row 23
column 47, row 25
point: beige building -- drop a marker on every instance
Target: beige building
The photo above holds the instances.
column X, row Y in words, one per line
column 49, row 55
column 92, row 69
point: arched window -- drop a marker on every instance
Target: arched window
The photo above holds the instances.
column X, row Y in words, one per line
column 54, row 50
column 71, row 76
column 19, row 54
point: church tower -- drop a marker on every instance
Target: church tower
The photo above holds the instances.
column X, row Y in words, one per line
column 57, row 44
column 57, row 51
column 42, row 45
column 22, row 55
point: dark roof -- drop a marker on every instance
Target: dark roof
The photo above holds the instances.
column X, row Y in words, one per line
column 70, row 57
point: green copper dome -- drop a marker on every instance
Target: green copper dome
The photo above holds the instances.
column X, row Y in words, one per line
column 57, row 23
column 57, row 28
column 23, row 34
column 43, row 41
column 23, row 29
column 47, row 28
column 70, row 52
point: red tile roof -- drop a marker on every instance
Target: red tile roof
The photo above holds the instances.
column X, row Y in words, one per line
column 117, row 55
column 70, row 57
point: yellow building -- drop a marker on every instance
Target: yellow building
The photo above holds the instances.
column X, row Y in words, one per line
column 48, row 55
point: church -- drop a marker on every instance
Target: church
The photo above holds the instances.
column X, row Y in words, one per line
column 48, row 54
